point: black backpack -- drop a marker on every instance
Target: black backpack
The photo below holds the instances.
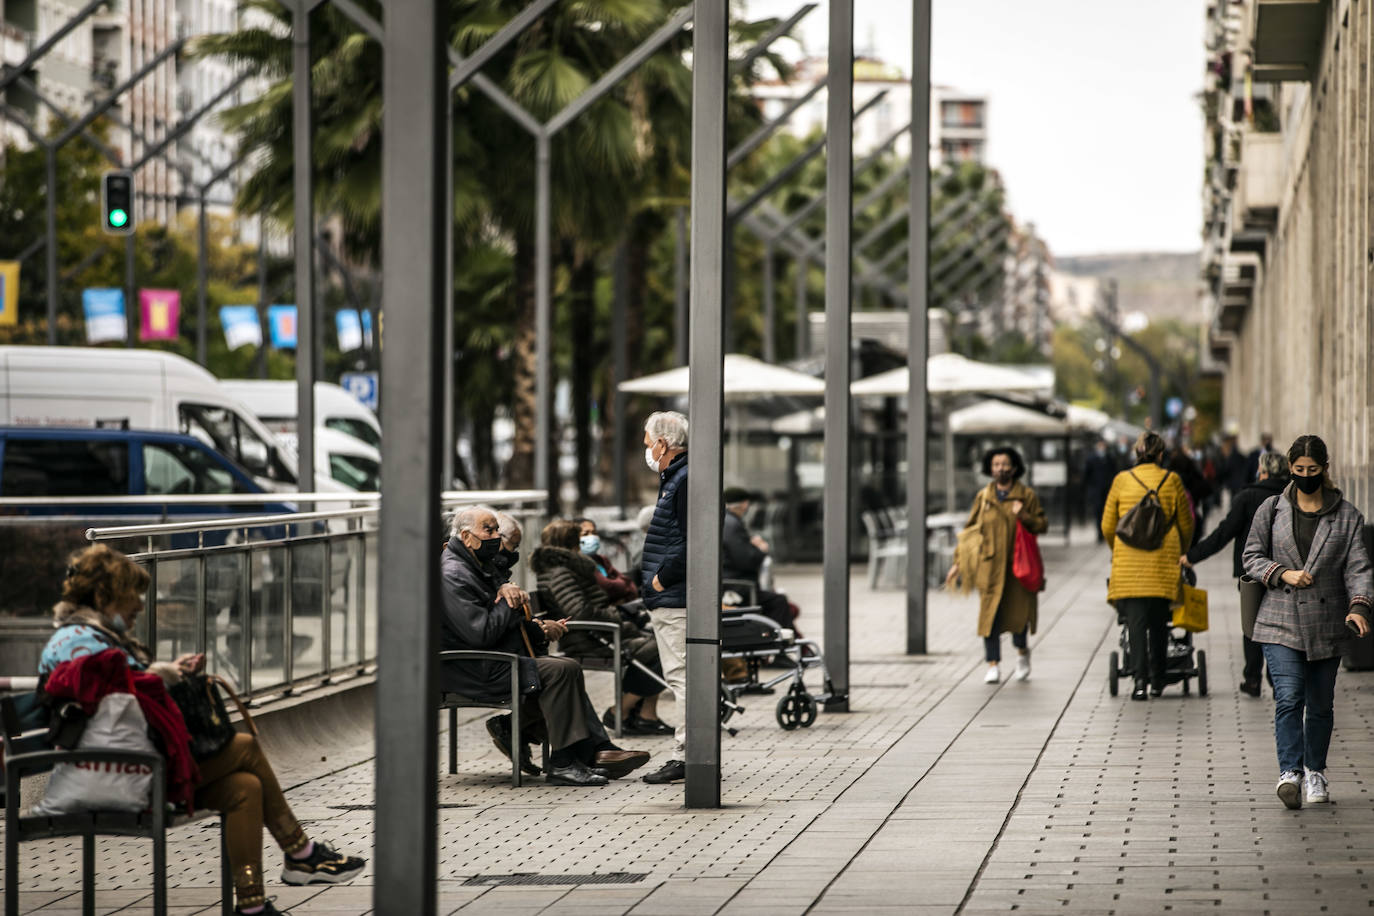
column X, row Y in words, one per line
column 1145, row 525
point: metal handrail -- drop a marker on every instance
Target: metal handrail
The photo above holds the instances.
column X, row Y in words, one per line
column 225, row 524
column 448, row 497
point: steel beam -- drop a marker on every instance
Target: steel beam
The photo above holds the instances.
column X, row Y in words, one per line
column 802, row 329
column 493, row 45
column 415, row 97
column 86, row 120
column 620, row 305
column 779, row 30
column 839, row 225
column 918, row 343
column 189, row 122
column 706, row 401
column 51, row 206
column 23, row 67
column 543, row 316
column 770, row 354
column 303, row 144
column 757, row 138
column 680, row 319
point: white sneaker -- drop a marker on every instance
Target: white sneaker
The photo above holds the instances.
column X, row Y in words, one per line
column 1023, row 666
column 1314, row 788
column 993, row 676
column 1290, row 788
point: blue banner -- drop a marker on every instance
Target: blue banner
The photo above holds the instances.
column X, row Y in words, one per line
column 281, row 321
column 241, row 325
column 350, row 330
column 104, row 309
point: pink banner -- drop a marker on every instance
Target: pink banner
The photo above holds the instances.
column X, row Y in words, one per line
column 160, row 310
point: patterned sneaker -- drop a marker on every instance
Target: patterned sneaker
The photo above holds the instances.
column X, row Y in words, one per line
column 322, row 866
column 1290, row 789
column 1314, row 788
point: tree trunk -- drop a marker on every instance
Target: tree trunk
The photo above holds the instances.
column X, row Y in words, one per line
column 520, row 470
column 582, row 301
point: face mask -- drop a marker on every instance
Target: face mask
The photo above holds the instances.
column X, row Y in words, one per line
column 488, row 549
column 649, row 458
column 590, row 544
column 511, row 557
column 1308, row 485
column 1003, row 477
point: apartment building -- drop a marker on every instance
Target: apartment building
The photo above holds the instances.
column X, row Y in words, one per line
column 1287, row 224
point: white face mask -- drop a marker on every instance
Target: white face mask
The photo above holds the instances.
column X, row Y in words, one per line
column 649, row 458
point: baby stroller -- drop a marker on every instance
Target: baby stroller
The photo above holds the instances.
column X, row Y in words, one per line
column 1181, row 667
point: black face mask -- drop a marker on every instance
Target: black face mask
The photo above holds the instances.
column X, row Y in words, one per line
column 1308, row 485
column 488, row 549
column 509, row 557
column 1003, row 477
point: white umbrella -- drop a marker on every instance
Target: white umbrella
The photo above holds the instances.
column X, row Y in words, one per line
column 950, row 373
column 998, row 417
column 1087, row 419
column 746, row 379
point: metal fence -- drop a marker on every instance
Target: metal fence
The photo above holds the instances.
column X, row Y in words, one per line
column 276, row 602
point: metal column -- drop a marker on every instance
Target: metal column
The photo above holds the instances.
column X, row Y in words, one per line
column 620, row 295
column 415, row 81
column 680, row 321
column 304, row 191
column 770, row 340
column 449, row 427
column 202, row 278
column 803, row 343
column 52, row 245
column 918, row 344
column 129, row 290
column 706, row 401
column 839, row 192
column 543, row 319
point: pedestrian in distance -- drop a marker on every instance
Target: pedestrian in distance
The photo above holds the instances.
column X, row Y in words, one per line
column 1098, row 473
column 1235, row 529
column 983, row 560
column 1306, row 548
column 1252, row 461
column 1144, row 582
column 664, row 570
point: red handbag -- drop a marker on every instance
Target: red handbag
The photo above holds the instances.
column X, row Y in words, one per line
column 1026, row 564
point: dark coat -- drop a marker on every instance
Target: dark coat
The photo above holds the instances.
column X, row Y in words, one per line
column 1235, row 527
column 739, row 558
column 665, row 544
column 567, row 587
column 473, row 618
column 1311, row 619
column 1098, row 474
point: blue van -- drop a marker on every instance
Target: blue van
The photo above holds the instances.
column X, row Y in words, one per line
column 40, row 461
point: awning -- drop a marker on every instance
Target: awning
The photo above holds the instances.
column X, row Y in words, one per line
column 1001, row 418
column 746, row 378
column 950, row 373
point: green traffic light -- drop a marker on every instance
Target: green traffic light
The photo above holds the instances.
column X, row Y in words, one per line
column 118, row 218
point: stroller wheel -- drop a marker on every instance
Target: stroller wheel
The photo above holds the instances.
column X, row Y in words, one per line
column 1201, row 673
column 796, row 710
column 1113, row 673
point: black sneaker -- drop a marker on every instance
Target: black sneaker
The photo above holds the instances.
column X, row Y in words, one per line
column 638, row 726
column 672, row 771
column 267, row 910
column 1252, row 688
column 322, row 866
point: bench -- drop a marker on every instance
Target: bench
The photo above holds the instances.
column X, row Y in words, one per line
column 27, row 755
column 452, row 702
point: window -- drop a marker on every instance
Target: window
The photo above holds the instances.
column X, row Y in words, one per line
column 362, row 474
column 227, row 433
column 358, row 429
column 173, row 468
column 65, row 467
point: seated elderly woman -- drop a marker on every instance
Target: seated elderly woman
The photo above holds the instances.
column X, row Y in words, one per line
column 617, row 586
column 567, row 577
column 481, row 611
column 102, row 596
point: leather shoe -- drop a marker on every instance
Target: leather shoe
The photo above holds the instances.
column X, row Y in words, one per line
column 619, row 763
column 574, row 774
column 638, row 726
column 1251, row 688
column 499, row 729
column 672, row 771
column 1139, row 693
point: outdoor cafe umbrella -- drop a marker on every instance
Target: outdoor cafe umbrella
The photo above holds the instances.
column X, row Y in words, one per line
column 746, row 379
column 950, row 373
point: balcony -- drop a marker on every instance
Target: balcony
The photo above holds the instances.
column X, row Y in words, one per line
column 1286, row 39
column 1240, row 278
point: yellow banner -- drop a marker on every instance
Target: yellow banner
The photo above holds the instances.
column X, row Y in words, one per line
column 9, row 292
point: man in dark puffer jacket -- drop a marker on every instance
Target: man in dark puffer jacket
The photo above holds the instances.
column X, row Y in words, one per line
column 567, row 583
column 664, row 575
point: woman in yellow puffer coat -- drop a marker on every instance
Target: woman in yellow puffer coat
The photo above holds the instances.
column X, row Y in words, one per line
column 1144, row 583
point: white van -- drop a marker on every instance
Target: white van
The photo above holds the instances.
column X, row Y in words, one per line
column 138, row 389
column 274, row 403
column 342, row 462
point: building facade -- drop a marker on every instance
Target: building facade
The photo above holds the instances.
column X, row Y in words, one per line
column 1289, row 229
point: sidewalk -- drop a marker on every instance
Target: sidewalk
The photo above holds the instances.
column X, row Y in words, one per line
column 938, row 794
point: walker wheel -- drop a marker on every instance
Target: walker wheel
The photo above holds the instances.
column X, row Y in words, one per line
column 1113, row 673
column 1201, row 672
column 796, row 710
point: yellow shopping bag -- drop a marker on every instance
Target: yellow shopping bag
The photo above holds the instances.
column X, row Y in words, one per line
column 1191, row 615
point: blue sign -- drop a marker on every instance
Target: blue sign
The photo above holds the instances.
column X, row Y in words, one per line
column 241, row 326
column 281, row 321
column 1173, row 407
column 362, row 385
column 350, row 330
column 104, row 309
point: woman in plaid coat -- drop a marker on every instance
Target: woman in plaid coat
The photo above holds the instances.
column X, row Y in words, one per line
column 1306, row 546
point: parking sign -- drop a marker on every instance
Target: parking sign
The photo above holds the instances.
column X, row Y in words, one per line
column 362, row 385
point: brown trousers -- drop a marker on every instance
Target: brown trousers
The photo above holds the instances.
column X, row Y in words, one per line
column 239, row 783
column 562, row 700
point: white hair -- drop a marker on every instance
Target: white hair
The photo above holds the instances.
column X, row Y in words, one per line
column 465, row 519
column 668, row 425
column 1275, row 464
column 509, row 526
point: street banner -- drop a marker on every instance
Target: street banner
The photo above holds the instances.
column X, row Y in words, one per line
column 281, row 321
column 241, row 326
column 367, row 328
column 160, row 314
column 104, row 310
column 9, row 292
column 350, row 329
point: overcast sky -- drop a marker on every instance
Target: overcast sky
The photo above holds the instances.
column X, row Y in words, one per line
column 1092, row 118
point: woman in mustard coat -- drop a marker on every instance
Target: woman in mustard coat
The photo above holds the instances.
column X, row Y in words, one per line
column 1144, row 583
column 985, row 553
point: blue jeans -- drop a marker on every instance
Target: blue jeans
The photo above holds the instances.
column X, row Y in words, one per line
column 1300, row 684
